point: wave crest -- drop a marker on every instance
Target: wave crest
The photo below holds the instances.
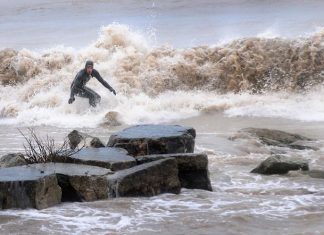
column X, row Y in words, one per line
column 154, row 83
column 250, row 64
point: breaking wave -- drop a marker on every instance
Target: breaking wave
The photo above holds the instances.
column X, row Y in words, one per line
column 273, row 77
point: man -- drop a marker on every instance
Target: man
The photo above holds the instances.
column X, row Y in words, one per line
column 78, row 86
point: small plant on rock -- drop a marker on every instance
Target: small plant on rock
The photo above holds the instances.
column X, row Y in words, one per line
column 42, row 150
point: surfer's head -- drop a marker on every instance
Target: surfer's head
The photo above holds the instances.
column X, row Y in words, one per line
column 89, row 66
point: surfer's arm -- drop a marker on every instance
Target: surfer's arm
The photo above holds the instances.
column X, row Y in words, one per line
column 73, row 90
column 96, row 74
column 75, row 84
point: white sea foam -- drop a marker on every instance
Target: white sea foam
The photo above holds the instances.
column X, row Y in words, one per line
column 163, row 84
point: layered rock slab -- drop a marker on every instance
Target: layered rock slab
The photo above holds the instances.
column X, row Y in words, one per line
column 78, row 182
column 193, row 168
column 44, row 185
column 110, row 158
column 148, row 179
column 154, row 139
column 23, row 187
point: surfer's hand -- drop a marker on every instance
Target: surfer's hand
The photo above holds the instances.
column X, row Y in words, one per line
column 71, row 100
column 113, row 91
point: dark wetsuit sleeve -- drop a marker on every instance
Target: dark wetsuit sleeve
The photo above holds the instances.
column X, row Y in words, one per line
column 96, row 74
column 77, row 83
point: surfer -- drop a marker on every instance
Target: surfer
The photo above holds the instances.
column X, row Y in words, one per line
column 78, row 86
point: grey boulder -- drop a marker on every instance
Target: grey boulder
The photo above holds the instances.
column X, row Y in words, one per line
column 78, row 139
column 315, row 173
column 78, row 182
column 154, row 139
column 110, row 158
column 23, row 187
column 43, row 185
column 192, row 167
column 280, row 165
column 12, row 159
column 146, row 180
column 277, row 138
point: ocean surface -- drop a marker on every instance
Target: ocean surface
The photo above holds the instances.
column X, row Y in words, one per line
column 218, row 66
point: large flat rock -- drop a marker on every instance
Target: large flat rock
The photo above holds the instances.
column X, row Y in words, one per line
column 69, row 169
column 148, row 179
column 78, row 182
column 154, row 139
column 193, row 168
column 110, row 158
column 43, row 185
column 23, row 187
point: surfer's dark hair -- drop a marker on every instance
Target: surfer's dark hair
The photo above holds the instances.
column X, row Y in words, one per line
column 88, row 63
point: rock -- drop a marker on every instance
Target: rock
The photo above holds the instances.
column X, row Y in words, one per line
column 316, row 174
column 154, row 139
column 112, row 118
column 78, row 182
column 301, row 145
column 12, row 159
column 277, row 138
column 23, row 187
column 43, row 185
column 280, row 165
column 75, row 138
column 79, row 139
column 110, row 158
column 96, row 143
column 193, row 168
column 148, row 179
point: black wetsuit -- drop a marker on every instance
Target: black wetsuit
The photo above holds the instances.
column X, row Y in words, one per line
column 78, row 86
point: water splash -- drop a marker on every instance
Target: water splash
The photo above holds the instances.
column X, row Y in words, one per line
column 158, row 84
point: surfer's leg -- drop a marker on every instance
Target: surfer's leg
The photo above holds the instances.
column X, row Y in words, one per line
column 93, row 97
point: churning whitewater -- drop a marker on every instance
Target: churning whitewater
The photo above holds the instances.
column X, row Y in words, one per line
column 261, row 77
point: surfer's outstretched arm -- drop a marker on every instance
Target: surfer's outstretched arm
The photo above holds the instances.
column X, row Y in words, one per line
column 96, row 74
